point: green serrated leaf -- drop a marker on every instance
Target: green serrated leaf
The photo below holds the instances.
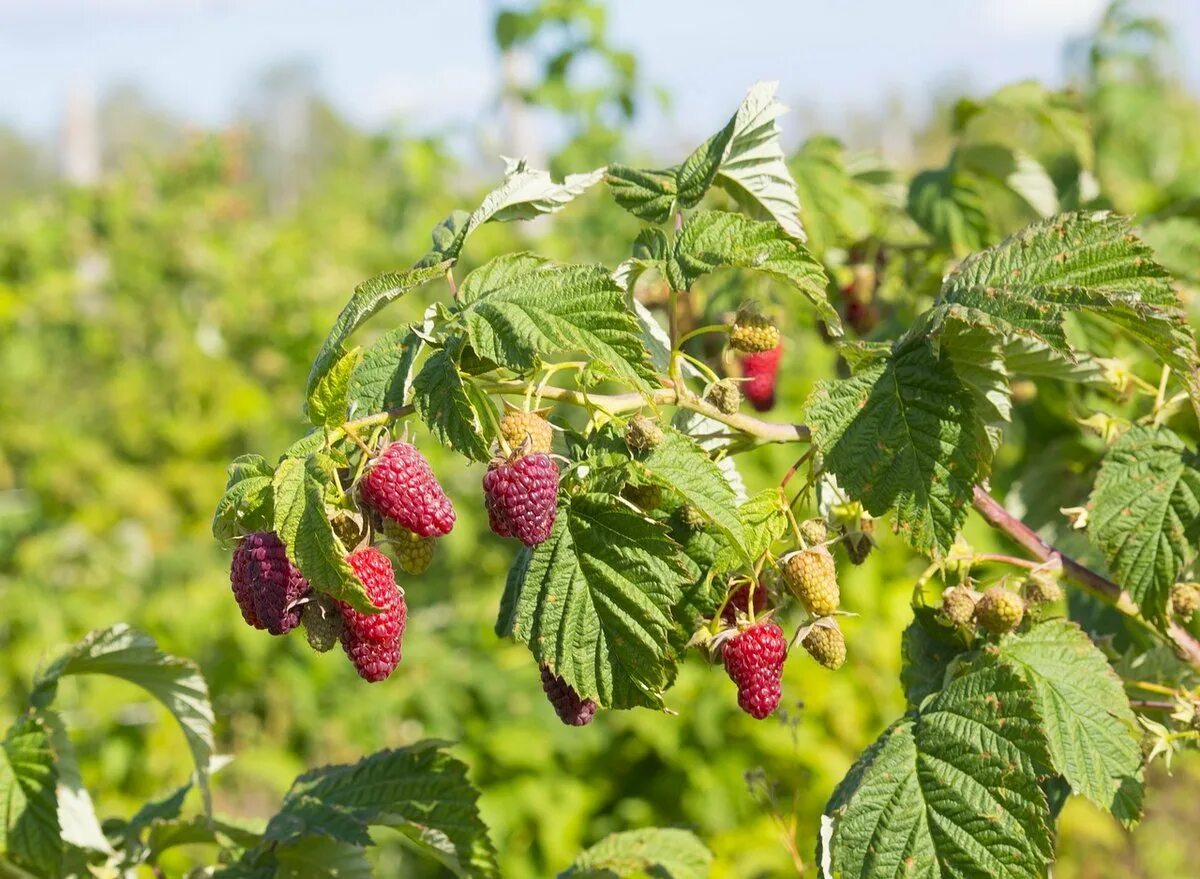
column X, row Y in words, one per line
column 951, row 791
column 680, row 465
column 648, row 195
column 122, row 652
column 384, row 378
column 420, row 790
column 1145, row 514
column 451, row 407
column 593, row 602
column 1075, row 262
column 763, row 522
column 947, row 204
column 303, row 525
column 905, row 435
column 836, row 207
column 519, row 307
column 1092, row 732
column 369, row 297
column 246, row 506
column 29, row 829
column 317, row 857
column 77, row 817
column 712, row 240
column 328, row 399
column 926, row 650
column 754, row 170
column 667, row 853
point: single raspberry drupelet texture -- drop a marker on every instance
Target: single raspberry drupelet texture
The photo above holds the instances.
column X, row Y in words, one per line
column 999, row 610
column 521, row 498
column 811, row 574
column 527, row 433
column 372, row 641
column 754, row 662
column 401, row 486
column 570, row 709
column 266, row 584
column 762, row 369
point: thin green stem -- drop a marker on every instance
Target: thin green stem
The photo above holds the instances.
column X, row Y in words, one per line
column 699, row 331
column 702, row 366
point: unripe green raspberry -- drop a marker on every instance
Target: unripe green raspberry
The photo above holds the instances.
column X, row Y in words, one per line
column 1042, row 587
column 527, row 433
column 999, row 610
column 322, row 623
column 644, row 497
column 958, row 606
column 811, row 574
column 414, row 554
column 725, row 395
column 752, row 331
column 642, row 434
column 692, row 517
column 1185, row 600
column 814, row 531
column 827, row 645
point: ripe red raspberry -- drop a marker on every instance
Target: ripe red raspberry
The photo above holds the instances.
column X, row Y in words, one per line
column 522, row 497
column 372, row 641
column 266, row 584
column 754, row 661
column 401, row 486
column 570, row 709
column 761, row 368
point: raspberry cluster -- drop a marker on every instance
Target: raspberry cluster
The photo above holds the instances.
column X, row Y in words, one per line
column 527, row 433
column 571, row 710
column 761, row 369
column 522, row 497
column 754, row 660
column 372, row 640
column 400, row 486
column 811, row 574
column 265, row 583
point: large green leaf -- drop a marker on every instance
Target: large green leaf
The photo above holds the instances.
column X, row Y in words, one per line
column 420, row 790
column 1092, row 732
column 452, row 408
column 951, row 791
column 247, row 504
column 77, row 817
column 594, row 602
column 519, row 307
column 680, row 465
column 665, row 853
column 384, row 377
column 927, row 648
column 648, row 195
column 122, row 652
column 369, row 297
column 328, row 398
column 905, row 434
column 947, row 204
column 1145, row 514
column 1075, row 262
column 712, row 240
column 836, row 207
column 29, row 830
column 303, row 525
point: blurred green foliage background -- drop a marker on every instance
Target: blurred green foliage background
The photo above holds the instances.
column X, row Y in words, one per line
column 156, row 325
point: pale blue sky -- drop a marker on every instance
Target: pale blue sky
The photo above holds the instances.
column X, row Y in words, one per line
column 433, row 65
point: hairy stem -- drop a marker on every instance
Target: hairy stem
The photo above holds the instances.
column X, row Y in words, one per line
column 1103, row 588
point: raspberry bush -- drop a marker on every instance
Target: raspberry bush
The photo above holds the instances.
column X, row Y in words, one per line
column 605, row 425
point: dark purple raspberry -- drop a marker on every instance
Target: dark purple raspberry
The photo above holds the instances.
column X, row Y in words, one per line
column 372, row 640
column 754, row 661
column 521, row 498
column 400, row 485
column 570, row 709
column 267, row 586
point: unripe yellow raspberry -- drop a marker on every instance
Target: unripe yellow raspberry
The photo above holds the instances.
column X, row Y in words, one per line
column 414, row 554
column 827, row 645
column 814, row 531
column 752, row 332
column 1185, row 600
column 527, row 433
column 999, row 610
column 725, row 395
column 958, row 606
column 642, row 434
column 811, row 574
